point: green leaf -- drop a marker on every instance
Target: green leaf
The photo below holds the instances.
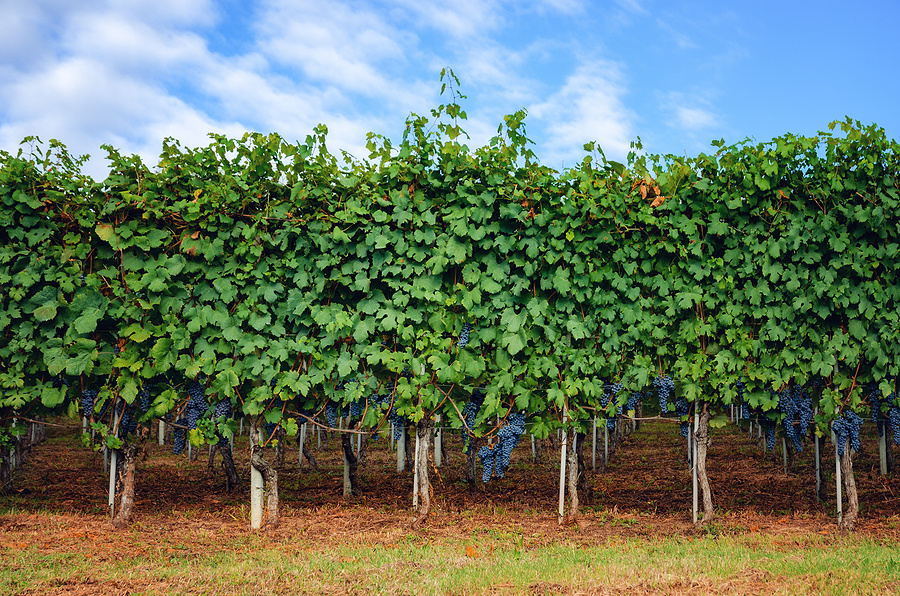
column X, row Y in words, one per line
column 81, row 357
column 513, row 342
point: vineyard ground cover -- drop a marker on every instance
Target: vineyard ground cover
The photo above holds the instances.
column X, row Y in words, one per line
column 190, row 537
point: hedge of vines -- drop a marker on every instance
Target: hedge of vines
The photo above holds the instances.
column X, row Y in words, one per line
column 283, row 277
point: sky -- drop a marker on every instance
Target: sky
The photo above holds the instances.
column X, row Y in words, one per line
column 677, row 75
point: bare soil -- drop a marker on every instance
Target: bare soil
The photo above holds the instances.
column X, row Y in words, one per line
column 645, row 490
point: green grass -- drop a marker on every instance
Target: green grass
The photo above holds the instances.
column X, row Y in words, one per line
column 501, row 563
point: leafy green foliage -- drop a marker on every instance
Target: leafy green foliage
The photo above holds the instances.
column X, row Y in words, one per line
column 277, row 273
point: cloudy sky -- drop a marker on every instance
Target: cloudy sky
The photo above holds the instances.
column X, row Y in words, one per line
column 676, row 74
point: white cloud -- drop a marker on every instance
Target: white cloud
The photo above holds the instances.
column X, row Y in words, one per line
column 588, row 107
column 165, row 13
column 85, row 104
column 331, row 43
column 133, row 46
column 569, row 7
column 691, row 113
column 459, row 19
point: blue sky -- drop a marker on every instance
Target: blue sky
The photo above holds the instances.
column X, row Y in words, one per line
column 676, row 74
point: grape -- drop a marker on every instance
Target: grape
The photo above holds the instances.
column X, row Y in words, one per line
column 683, row 408
column 610, row 390
column 487, row 455
column 464, row 335
column 633, row 401
column 470, row 413
column 144, row 397
column 846, row 428
column 331, row 413
column 788, row 404
column 87, row 401
column 196, row 404
column 127, row 421
column 180, row 436
column 223, row 408
column 770, row 434
column 664, row 386
column 508, row 435
column 894, row 419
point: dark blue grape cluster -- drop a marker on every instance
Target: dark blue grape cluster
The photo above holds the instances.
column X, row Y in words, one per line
column 271, row 427
column 58, row 382
column 144, row 400
column 876, row 399
column 894, row 418
column 399, row 423
column 87, row 401
column 683, row 408
column 633, row 401
column 394, row 417
column 223, row 408
column 127, row 420
column 470, row 413
column 508, row 437
column 464, row 335
column 487, row 454
column 180, row 434
column 664, row 386
column 196, row 405
column 847, row 427
column 331, row 410
column 769, row 426
column 796, row 405
column 610, row 391
column 356, row 408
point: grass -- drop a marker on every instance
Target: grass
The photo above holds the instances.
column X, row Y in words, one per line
column 484, row 562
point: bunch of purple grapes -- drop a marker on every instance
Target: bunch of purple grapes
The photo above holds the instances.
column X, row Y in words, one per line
column 180, row 434
column 664, row 386
column 610, row 392
column 769, row 426
column 633, row 401
column 331, row 409
column 683, row 408
column 487, row 455
column 87, row 401
column 508, row 435
column 470, row 414
column 464, row 335
column 846, row 428
column 894, row 418
column 196, row 405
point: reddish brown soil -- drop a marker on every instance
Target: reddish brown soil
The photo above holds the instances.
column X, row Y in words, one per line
column 647, row 480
